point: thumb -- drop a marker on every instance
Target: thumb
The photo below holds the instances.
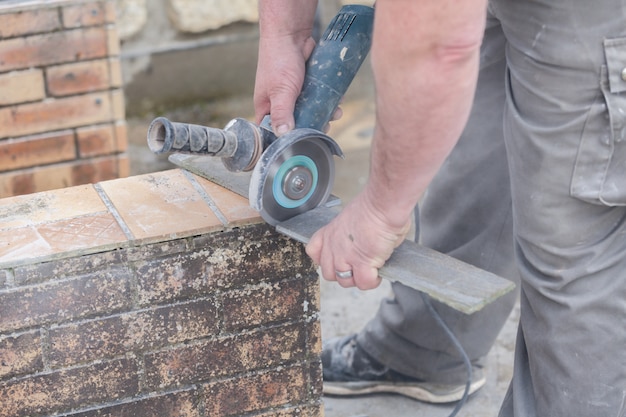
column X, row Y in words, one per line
column 282, row 113
column 314, row 247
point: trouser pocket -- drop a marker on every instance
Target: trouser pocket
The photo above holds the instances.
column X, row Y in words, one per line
column 600, row 171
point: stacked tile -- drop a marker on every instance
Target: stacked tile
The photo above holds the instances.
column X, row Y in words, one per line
column 62, row 120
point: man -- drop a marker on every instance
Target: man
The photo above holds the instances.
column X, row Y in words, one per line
column 550, row 99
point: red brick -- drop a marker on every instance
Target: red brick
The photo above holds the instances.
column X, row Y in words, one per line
column 96, row 140
column 52, row 177
column 177, row 277
column 16, row 183
column 123, row 166
column 178, row 404
column 115, row 68
column 20, row 354
column 225, row 357
column 61, row 268
column 313, row 410
column 269, row 303
column 139, row 331
column 54, row 48
column 37, row 150
column 113, row 41
column 118, row 104
column 110, row 12
column 220, row 261
column 89, row 14
column 121, row 136
column 21, row 86
column 156, row 250
column 92, row 171
column 99, row 292
column 69, row 389
column 78, row 77
column 257, row 392
column 314, row 337
column 55, row 114
column 316, row 385
column 28, row 22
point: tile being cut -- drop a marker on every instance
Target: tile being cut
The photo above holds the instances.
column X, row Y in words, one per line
column 234, row 207
column 160, row 204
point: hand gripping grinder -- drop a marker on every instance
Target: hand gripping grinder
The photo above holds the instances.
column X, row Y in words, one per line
column 294, row 173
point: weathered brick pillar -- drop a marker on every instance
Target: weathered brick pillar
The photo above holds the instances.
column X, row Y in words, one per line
column 156, row 295
column 61, row 101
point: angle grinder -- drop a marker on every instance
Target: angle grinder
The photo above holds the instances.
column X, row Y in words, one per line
column 294, row 173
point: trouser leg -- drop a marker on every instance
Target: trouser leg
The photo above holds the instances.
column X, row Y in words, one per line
column 565, row 131
column 466, row 213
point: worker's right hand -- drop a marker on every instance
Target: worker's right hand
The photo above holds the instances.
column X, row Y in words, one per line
column 359, row 240
column 279, row 78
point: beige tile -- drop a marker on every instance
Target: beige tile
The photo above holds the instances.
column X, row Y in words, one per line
column 21, row 243
column 49, row 206
column 161, row 204
column 234, row 207
column 84, row 234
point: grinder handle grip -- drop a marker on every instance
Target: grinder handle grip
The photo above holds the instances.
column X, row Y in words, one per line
column 333, row 65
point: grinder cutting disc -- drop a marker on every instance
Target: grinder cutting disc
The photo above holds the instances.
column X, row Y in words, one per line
column 295, row 174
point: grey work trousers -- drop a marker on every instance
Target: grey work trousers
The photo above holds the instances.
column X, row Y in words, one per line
column 535, row 189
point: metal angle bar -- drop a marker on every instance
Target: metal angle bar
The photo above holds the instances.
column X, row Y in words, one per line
column 457, row 284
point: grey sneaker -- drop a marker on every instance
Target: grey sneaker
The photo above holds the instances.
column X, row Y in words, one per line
column 349, row 370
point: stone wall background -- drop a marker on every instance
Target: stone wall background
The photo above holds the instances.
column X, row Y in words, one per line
column 178, row 52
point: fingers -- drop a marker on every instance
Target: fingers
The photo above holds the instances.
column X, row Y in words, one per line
column 357, row 241
column 336, row 267
column 338, row 114
column 281, row 107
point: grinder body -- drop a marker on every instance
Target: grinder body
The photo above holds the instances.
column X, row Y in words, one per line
column 333, row 64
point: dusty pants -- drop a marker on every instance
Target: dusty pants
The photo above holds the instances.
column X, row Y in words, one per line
column 535, row 188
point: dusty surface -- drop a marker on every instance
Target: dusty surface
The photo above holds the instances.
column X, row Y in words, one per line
column 344, row 311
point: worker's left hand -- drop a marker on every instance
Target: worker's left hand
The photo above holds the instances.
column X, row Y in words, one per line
column 359, row 240
column 279, row 78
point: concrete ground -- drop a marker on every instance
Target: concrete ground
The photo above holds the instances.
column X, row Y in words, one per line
column 345, row 311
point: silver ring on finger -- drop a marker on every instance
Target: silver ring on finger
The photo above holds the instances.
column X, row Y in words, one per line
column 344, row 274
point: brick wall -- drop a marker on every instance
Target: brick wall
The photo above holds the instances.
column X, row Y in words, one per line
column 156, row 295
column 61, row 101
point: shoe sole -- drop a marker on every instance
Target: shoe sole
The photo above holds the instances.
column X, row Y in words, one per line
column 426, row 392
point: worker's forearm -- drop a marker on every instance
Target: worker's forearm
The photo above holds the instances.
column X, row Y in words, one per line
column 278, row 18
column 425, row 63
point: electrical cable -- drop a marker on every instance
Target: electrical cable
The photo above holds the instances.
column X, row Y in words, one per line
column 459, row 348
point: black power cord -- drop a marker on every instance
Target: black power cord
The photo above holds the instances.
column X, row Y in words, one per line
column 458, row 347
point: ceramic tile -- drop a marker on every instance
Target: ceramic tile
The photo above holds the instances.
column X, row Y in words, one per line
column 234, row 207
column 83, row 234
column 19, row 243
column 49, row 206
column 160, row 204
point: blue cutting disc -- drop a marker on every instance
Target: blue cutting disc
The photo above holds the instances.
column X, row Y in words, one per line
column 295, row 174
column 288, row 173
